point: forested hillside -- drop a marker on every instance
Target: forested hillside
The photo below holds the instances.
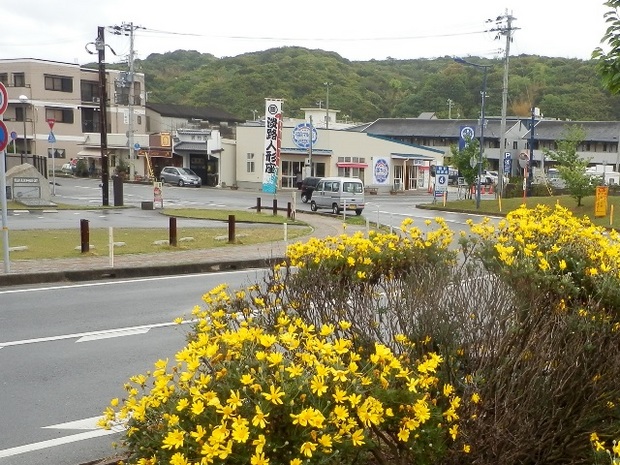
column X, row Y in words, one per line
column 365, row 90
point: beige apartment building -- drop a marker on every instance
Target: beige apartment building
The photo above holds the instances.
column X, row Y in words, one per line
column 64, row 99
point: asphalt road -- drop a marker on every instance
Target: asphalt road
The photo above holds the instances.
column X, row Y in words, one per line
column 67, row 350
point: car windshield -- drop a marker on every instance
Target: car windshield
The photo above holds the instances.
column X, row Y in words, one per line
column 187, row 171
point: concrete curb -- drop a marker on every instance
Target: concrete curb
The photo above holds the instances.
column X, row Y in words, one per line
column 134, row 272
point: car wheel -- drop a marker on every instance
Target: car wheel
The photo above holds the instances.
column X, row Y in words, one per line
column 358, row 212
column 163, row 180
column 313, row 206
column 181, row 183
column 335, row 209
column 304, row 198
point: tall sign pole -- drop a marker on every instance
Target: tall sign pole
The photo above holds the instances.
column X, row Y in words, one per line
column 4, row 140
column 52, row 140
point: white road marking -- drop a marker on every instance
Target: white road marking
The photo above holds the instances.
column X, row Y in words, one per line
column 112, row 283
column 91, row 335
column 88, row 424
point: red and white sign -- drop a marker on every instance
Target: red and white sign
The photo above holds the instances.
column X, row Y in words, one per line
column 4, row 136
column 4, row 99
column 51, row 122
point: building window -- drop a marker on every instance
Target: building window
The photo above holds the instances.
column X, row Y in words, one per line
column 19, row 80
column 20, row 113
column 59, row 83
column 139, row 120
column 89, row 91
column 58, row 153
column 60, row 115
column 250, row 165
column 4, row 79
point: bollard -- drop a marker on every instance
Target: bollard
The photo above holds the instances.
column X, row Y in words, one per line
column 172, row 235
column 289, row 210
column 84, row 236
column 258, row 204
column 275, row 207
column 231, row 229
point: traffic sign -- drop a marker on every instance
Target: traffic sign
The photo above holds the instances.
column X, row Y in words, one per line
column 13, row 135
column 4, row 99
column 51, row 138
column 136, row 146
column 51, row 122
column 4, row 136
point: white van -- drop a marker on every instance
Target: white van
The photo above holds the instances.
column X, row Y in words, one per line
column 338, row 194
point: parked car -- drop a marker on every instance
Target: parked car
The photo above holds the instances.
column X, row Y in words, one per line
column 338, row 194
column 67, row 168
column 307, row 187
column 179, row 176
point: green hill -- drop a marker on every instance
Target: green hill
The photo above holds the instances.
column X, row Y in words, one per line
column 365, row 90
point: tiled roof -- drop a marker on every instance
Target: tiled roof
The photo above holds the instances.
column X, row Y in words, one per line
column 189, row 112
column 595, row 131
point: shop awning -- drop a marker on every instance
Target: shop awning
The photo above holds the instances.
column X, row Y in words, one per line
column 345, row 164
column 91, row 153
column 411, row 156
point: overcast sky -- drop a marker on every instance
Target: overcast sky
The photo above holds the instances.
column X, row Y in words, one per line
column 402, row 29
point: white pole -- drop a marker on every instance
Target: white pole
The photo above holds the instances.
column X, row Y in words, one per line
column 111, row 246
column 285, row 232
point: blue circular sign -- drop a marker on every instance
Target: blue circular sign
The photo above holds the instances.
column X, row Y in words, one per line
column 301, row 135
column 136, row 146
column 4, row 136
column 13, row 135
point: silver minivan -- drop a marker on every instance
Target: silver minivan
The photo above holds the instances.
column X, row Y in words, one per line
column 338, row 194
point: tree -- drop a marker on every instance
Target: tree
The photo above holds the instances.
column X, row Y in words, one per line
column 608, row 64
column 461, row 160
column 571, row 166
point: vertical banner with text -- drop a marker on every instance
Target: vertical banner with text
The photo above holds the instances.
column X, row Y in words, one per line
column 273, row 138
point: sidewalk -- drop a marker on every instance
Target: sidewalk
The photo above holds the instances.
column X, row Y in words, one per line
column 183, row 262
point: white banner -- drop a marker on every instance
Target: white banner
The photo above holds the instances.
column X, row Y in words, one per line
column 273, row 139
column 381, row 171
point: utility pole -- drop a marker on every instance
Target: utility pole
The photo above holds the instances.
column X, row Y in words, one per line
column 450, row 103
column 103, row 117
column 503, row 30
column 128, row 29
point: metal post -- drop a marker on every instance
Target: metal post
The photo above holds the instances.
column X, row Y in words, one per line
column 231, row 229
column 327, row 84
column 530, row 170
column 84, row 236
column 310, row 148
column 24, row 100
column 172, row 235
column 482, row 123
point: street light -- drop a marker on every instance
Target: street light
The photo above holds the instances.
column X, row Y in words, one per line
column 24, row 100
column 484, row 68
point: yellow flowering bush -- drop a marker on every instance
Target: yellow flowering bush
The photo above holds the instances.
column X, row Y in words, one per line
column 571, row 258
column 261, row 386
column 546, row 362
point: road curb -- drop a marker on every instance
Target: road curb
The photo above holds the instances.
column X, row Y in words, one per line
column 134, row 272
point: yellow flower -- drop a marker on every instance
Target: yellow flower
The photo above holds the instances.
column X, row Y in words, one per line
column 453, row 431
column 259, row 443
column 357, row 438
column 260, row 419
column 246, row 379
column 403, row 434
column 259, row 459
column 198, row 407
column 179, row 459
column 318, row 386
column 475, row 398
column 274, row 395
column 466, row 448
column 173, row 440
column 307, row 448
column 295, row 462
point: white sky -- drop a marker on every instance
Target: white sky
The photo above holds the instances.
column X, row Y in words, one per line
column 58, row 30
